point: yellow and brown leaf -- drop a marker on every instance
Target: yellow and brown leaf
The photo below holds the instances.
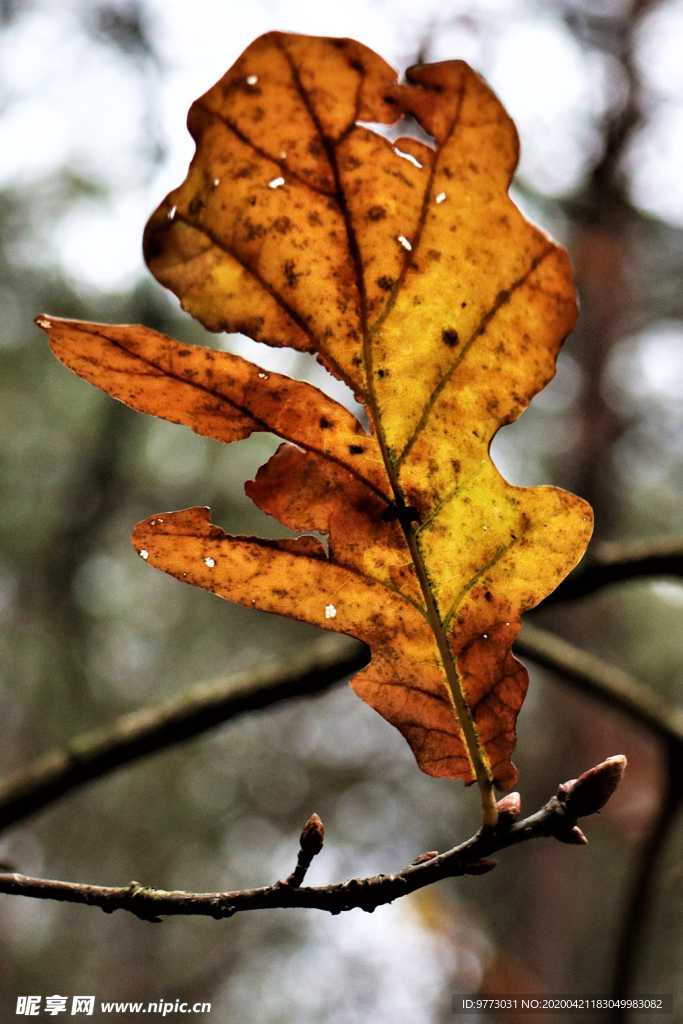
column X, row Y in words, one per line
column 410, row 273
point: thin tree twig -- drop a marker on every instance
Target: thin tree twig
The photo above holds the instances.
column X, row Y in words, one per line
column 610, row 562
column 205, row 706
column 574, row 799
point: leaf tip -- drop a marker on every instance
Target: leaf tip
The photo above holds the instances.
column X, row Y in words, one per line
column 44, row 322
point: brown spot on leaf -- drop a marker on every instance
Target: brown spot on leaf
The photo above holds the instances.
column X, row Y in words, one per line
column 290, row 272
column 254, row 230
column 246, row 171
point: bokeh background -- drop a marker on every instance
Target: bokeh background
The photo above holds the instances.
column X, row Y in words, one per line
column 93, row 98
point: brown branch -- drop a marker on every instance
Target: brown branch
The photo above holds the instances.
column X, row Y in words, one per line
column 577, row 798
column 144, row 732
column 600, row 679
column 609, row 563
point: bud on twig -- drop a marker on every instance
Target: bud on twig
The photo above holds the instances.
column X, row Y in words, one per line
column 509, row 809
column 572, row 836
column 312, row 837
column 591, row 791
column 310, row 844
column 423, row 857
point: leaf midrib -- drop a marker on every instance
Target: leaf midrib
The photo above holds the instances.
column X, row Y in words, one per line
column 475, row 751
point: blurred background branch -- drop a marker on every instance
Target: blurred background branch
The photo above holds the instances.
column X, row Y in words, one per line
column 172, row 721
column 608, row 563
column 93, row 98
column 207, row 705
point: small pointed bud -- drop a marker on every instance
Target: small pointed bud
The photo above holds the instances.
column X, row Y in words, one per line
column 509, row 809
column 312, row 836
column 591, row 791
column 423, row 857
column 572, row 836
column 481, row 867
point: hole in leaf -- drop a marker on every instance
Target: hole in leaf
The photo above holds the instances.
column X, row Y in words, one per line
column 407, row 127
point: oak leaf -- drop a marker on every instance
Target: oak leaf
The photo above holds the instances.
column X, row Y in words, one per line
column 410, row 273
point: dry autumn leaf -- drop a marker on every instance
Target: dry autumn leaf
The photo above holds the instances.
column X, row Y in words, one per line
column 410, row 273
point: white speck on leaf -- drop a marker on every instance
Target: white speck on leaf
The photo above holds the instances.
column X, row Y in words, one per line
column 404, row 242
column 441, row 196
column 42, row 322
column 330, row 611
column 144, row 554
column 484, row 527
column 276, row 182
column 172, row 212
column 216, row 182
column 210, row 562
column 252, row 79
column 264, row 376
column 283, row 155
column 485, row 636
